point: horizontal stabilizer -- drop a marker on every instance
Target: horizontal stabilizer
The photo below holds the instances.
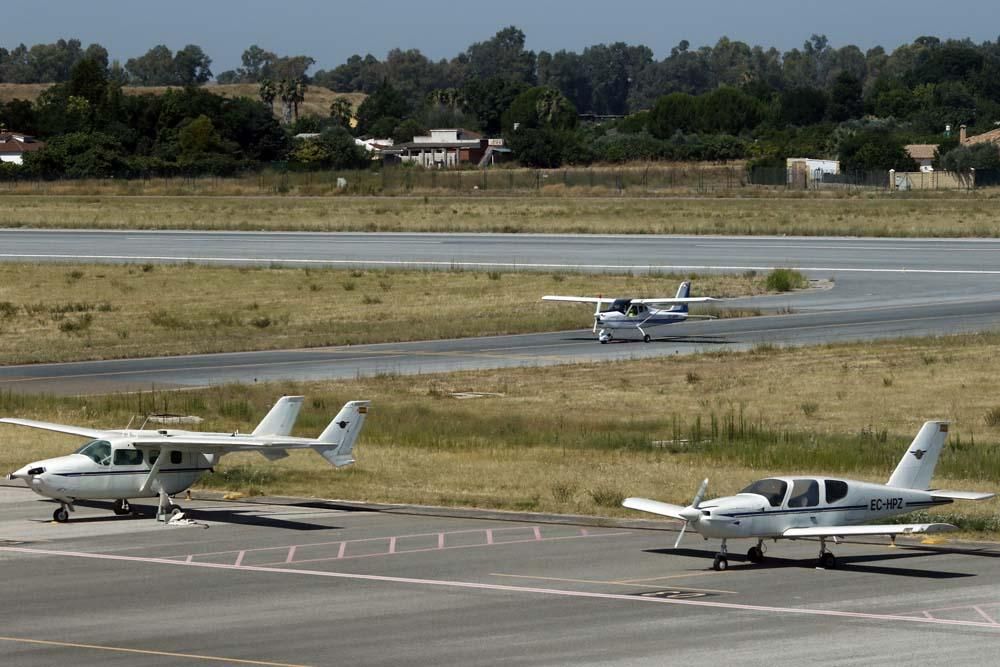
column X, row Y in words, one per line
column 885, row 529
column 961, row 495
column 654, row 507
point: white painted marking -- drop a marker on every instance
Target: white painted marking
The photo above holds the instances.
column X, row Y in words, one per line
column 484, row 265
column 470, row 585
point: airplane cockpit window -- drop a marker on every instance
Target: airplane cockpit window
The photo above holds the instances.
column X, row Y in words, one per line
column 98, row 451
column 620, row 305
column 772, row 489
column 128, row 457
column 805, row 493
column 835, row 490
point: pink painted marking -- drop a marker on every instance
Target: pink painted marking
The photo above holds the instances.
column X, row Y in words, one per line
column 440, row 540
column 392, row 545
column 489, row 536
column 584, row 532
column 342, row 549
column 239, row 559
column 365, row 539
column 985, row 615
column 291, row 554
column 538, row 533
column 470, row 585
column 457, row 546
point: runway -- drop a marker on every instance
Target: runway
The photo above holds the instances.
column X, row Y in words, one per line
column 310, row 582
column 881, row 288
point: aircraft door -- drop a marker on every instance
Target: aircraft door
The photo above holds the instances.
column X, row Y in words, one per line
column 804, row 496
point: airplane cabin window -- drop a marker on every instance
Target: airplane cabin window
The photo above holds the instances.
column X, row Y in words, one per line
column 176, row 457
column 772, row 489
column 835, row 490
column 152, row 455
column 805, row 493
column 128, row 457
column 98, row 451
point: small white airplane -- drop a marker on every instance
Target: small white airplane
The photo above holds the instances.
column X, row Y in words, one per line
column 640, row 315
column 819, row 507
column 119, row 465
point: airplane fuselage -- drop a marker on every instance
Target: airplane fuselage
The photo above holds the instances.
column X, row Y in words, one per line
column 122, row 473
column 807, row 502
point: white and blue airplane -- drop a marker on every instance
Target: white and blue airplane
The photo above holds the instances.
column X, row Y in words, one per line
column 803, row 507
column 638, row 315
column 120, row 465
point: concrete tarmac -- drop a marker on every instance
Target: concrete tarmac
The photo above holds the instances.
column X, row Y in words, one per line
column 317, row 583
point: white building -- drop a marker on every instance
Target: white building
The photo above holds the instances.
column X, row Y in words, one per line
column 13, row 146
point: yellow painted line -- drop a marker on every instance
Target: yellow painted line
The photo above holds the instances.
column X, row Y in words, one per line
column 672, row 576
column 599, row 581
column 168, row 654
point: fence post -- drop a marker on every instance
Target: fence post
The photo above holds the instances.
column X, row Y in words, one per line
column 972, row 178
column 892, row 180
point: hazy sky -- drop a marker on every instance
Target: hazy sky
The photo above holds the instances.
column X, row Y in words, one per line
column 332, row 30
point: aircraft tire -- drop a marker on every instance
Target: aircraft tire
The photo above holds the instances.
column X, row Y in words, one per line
column 720, row 564
column 827, row 561
column 60, row 515
column 754, row 555
column 122, row 507
column 645, row 338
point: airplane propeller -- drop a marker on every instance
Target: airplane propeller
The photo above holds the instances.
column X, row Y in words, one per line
column 691, row 513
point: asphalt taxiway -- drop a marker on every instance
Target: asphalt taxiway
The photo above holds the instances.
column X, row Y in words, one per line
column 316, row 583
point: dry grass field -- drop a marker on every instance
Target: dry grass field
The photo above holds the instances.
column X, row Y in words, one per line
column 58, row 312
column 580, row 438
column 933, row 217
column 317, row 102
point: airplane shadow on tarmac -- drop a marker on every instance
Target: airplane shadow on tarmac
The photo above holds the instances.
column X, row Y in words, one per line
column 845, row 563
column 238, row 517
column 693, row 340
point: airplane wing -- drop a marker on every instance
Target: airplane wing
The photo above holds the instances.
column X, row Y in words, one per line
column 673, row 301
column 654, row 507
column 58, row 428
column 580, row 299
column 874, row 529
column 961, row 495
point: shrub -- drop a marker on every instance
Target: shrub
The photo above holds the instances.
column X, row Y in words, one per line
column 784, row 280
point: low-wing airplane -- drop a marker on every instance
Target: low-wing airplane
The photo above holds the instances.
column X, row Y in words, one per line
column 639, row 315
column 819, row 507
column 119, row 465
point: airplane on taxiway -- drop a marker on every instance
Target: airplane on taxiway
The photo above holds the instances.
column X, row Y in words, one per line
column 800, row 507
column 121, row 465
column 638, row 315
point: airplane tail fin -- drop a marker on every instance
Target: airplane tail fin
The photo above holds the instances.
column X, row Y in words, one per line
column 916, row 467
column 336, row 442
column 683, row 292
column 281, row 418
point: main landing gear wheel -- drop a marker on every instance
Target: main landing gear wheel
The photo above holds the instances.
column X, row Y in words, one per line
column 827, row 561
column 720, row 564
column 122, row 507
column 61, row 515
column 645, row 338
column 755, row 555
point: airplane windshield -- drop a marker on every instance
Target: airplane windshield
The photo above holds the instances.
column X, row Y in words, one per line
column 619, row 305
column 98, row 451
column 772, row 489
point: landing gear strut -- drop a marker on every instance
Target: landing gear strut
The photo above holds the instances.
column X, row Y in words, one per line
column 827, row 560
column 122, row 507
column 721, row 562
column 645, row 336
column 756, row 554
column 166, row 509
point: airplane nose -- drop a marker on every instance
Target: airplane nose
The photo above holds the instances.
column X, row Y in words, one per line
column 26, row 473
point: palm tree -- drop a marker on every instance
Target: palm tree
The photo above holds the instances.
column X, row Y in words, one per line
column 267, row 93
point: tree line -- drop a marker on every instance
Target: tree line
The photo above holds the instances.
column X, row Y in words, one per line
column 721, row 102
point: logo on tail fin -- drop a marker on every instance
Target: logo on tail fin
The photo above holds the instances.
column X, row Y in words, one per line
column 918, row 453
column 343, row 424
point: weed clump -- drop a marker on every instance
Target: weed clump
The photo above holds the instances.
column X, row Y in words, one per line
column 785, row 280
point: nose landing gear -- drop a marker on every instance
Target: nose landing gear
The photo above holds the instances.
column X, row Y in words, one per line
column 721, row 562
